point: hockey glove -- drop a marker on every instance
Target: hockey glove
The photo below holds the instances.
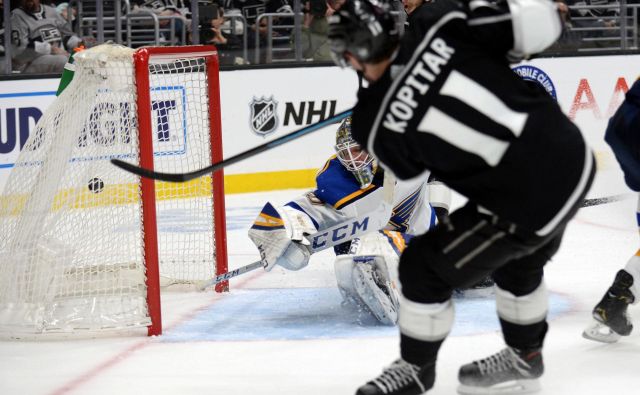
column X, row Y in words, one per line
column 279, row 236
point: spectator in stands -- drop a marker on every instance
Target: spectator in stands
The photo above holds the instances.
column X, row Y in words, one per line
column 63, row 10
column 229, row 47
column 251, row 10
column 410, row 5
column 315, row 43
column 597, row 12
column 164, row 9
column 602, row 20
column 569, row 39
column 334, row 5
column 41, row 38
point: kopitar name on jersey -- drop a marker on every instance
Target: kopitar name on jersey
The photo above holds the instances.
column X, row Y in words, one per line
column 421, row 75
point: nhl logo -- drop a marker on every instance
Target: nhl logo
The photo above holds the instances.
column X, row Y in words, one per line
column 264, row 118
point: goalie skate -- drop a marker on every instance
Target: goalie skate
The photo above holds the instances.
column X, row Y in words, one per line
column 599, row 332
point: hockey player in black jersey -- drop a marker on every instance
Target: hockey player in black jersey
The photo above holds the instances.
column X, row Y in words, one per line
column 444, row 98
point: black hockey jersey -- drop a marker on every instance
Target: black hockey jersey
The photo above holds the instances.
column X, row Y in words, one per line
column 450, row 103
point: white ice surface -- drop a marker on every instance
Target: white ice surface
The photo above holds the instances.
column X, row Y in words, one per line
column 270, row 336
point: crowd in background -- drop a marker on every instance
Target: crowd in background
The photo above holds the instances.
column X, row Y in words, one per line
column 44, row 32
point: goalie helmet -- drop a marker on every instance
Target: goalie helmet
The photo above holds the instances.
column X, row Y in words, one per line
column 352, row 156
column 366, row 29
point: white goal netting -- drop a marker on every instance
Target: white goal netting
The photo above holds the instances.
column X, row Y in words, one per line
column 72, row 256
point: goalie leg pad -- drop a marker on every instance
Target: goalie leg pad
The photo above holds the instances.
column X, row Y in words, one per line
column 343, row 267
column 373, row 286
column 365, row 281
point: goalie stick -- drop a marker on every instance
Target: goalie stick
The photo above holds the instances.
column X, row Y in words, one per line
column 183, row 177
column 202, row 285
column 334, row 235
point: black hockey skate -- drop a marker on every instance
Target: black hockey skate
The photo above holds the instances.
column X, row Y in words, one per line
column 610, row 314
column 510, row 371
column 401, row 378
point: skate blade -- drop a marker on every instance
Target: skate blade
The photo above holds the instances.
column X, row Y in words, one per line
column 506, row 388
column 601, row 333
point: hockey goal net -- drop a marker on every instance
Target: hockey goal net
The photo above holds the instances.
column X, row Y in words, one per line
column 84, row 245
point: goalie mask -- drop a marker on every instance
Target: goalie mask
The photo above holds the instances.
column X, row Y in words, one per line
column 366, row 29
column 352, row 156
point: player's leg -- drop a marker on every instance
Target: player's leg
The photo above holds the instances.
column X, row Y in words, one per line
column 610, row 314
column 522, row 304
column 366, row 275
column 430, row 268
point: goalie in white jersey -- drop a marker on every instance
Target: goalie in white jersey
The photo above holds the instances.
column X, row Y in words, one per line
column 344, row 190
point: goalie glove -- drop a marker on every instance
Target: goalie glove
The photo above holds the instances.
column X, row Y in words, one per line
column 279, row 236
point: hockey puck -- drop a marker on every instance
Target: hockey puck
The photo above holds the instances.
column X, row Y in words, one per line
column 96, row 185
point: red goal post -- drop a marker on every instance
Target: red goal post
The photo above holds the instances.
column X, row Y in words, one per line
column 85, row 246
column 142, row 59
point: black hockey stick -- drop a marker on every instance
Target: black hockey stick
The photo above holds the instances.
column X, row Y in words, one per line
column 183, row 177
column 605, row 200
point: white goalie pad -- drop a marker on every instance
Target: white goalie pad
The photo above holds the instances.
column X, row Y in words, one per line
column 536, row 25
column 367, row 276
column 364, row 282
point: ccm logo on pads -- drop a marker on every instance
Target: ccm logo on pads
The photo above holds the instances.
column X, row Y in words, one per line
column 340, row 233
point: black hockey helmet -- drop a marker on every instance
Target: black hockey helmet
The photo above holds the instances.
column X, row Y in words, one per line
column 367, row 29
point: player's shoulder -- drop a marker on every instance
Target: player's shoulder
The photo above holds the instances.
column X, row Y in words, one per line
column 19, row 13
column 435, row 10
column 443, row 15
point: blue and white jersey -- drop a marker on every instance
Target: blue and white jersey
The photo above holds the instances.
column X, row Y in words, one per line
column 338, row 196
column 623, row 135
